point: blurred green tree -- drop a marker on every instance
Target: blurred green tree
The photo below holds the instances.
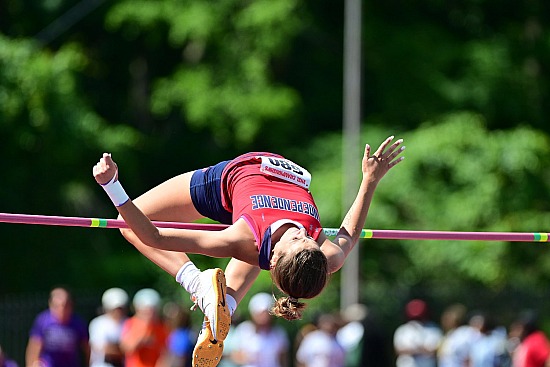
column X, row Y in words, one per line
column 224, row 82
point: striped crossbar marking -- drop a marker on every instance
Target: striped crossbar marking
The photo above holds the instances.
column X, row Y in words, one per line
column 98, row 222
column 366, row 233
column 540, row 237
column 330, row 232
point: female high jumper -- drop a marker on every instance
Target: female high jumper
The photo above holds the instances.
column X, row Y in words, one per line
column 273, row 225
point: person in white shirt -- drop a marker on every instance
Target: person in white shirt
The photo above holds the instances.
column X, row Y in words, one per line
column 261, row 343
column 454, row 350
column 105, row 330
column 417, row 340
column 320, row 348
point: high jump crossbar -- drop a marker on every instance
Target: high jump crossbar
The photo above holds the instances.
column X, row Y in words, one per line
column 365, row 233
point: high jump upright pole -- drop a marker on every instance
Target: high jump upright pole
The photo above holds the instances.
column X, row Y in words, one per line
column 351, row 143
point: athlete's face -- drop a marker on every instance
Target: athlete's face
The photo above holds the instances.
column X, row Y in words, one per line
column 293, row 240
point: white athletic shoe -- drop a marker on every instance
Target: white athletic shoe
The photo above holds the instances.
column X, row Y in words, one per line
column 210, row 298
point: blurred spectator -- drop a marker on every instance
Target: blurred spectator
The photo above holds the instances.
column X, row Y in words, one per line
column 363, row 339
column 533, row 349
column 458, row 337
column 489, row 347
column 58, row 337
column 302, row 332
column 416, row 340
column 105, row 330
column 231, row 342
column 144, row 335
column 320, row 348
column 350, row 336
column 260, row 342
column 181, row 339
column 5, row 361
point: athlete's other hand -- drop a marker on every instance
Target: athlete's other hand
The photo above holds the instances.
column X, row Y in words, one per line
column 105, row 169
column 376, row 166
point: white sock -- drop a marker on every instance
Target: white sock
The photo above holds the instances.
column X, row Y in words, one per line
column 231, row 304
column 188, row 277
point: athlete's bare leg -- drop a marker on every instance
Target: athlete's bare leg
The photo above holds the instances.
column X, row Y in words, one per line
column 170, row 202
column 240, row 276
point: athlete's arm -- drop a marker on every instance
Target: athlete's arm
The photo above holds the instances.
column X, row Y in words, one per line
column 223, row 243
column 374, row 169
column 239, row 277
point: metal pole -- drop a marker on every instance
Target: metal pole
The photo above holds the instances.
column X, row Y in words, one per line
column 351, row 151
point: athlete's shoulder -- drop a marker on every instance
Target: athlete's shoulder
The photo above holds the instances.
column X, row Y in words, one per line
column 239, row 232
column 242, row 242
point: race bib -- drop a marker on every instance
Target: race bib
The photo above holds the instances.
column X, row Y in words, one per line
column 286, row 170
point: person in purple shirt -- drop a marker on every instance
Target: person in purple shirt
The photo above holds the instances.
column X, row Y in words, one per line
column 58, row 337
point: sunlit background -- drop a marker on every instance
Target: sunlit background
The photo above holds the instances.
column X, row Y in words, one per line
column 168, row 86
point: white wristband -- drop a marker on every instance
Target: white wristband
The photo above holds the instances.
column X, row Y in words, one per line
column 115, row 191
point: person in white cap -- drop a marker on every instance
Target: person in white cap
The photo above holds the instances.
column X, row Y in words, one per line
column 105, row 330
column 144, row 335
column 265, row 344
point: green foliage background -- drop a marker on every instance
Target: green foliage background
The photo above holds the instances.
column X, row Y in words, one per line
column 172, row 85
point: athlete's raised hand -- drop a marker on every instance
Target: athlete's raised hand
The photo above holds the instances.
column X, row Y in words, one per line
column 105, row 169
column 376, row 166
column 106, row 174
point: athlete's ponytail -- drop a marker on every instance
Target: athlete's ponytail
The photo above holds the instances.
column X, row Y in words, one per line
column 300, row 275
column 288, row 308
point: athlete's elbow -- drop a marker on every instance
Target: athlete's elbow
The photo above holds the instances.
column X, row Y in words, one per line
column 154, row 239
column 135, row 239
column 336, row 262
column 126, row 232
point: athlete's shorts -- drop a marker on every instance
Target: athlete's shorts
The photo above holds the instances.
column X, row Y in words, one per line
column 207, row 195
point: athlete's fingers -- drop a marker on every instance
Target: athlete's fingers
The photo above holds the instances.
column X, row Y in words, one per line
column 383, row 146
column 104, row 169
column 395, row 153
column 107, row 158
column 367, row 151
column 393, row 163
column 98, row 169
column 106, row 162
column 392, row 149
